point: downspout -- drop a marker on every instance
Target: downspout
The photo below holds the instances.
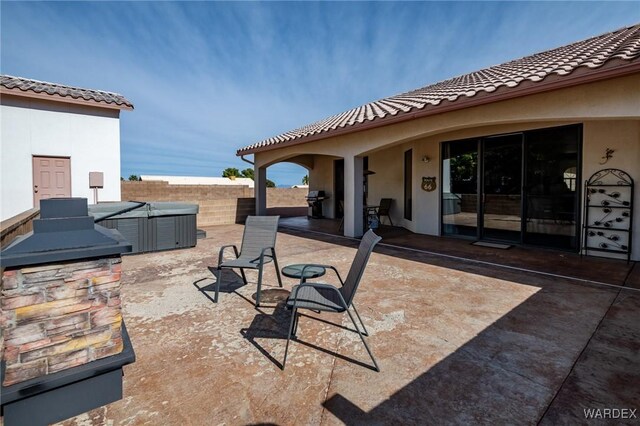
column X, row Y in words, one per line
column 247, row 161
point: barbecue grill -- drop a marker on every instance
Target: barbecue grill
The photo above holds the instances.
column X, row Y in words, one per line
column 315, row 199
column 63, row 354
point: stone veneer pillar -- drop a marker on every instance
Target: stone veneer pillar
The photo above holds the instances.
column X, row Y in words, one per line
column 58, row 316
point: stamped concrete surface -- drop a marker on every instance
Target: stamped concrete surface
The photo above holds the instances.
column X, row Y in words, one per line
column 457, row 343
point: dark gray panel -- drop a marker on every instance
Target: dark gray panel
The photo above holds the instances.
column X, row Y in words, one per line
column 185, row 231
column 165, row 232
column 65, row 402
column 148, row 234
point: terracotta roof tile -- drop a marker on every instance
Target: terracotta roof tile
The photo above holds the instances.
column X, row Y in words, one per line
column 53, row 89
column 590, row 54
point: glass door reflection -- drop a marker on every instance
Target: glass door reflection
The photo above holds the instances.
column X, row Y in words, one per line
column 502, row 188
column 460, row 188
column 551, row 187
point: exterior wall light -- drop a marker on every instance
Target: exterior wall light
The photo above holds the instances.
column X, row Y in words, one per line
column 425, row 159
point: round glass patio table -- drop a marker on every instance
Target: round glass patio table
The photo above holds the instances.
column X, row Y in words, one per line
column 295, row 271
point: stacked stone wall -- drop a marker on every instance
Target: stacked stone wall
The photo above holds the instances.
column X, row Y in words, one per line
column 58, row 316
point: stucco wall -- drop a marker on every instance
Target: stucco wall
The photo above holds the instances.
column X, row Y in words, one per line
column 89, row 136
column 624, row 137
column 388, row 182
column 321, row 178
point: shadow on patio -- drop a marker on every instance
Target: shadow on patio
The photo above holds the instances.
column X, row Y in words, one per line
column 517, row 355
column 457, row 342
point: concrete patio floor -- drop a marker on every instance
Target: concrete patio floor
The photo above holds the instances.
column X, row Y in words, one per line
column 457, row 342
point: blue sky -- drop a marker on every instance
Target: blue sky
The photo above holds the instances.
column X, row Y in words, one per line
column 209, row 78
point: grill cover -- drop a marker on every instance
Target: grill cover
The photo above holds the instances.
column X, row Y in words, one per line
column 65, row 231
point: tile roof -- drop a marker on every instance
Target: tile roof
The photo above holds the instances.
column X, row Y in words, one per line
column 27, row 86
column 621, row 47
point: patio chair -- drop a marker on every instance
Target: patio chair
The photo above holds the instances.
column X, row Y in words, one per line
column 325, row 297
column 383, row 210
column 258, row 247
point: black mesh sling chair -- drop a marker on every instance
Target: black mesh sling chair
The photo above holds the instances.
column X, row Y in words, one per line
column 258, row 247
column 325, row 297
column 383, row 209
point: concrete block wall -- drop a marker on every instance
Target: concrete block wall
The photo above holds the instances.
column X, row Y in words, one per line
column 225, row 211
column 219, row 204
column 162, row 191
column 286, row 197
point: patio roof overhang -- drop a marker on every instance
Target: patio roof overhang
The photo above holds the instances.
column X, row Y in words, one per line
column 612, row 69
column 606, row 56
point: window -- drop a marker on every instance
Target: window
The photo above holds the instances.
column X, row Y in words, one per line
column 408, row 188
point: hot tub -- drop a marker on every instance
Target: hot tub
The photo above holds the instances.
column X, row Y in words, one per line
column 152, row 226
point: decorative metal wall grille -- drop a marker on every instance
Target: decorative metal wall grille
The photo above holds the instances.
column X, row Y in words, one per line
column 608, row 210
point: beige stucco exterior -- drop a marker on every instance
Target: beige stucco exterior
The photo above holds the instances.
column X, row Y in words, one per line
column 609, row 111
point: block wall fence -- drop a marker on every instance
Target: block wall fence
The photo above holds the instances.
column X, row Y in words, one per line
column 219, row 205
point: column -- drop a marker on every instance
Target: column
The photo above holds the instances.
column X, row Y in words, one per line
column 353, row 196
column 260, row 189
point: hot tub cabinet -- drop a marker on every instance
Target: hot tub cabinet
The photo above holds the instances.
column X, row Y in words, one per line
column 154, row 226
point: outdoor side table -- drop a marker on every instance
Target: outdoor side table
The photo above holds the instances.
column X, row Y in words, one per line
column 295, row 271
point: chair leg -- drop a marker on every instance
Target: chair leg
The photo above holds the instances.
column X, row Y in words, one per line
column 363, row 341
column 390, row 221
column 364, row 332
column 294, row 333
column 215, row 298
column 244, row 277
column 275, row 263
column 294, row 313
column 259, row 286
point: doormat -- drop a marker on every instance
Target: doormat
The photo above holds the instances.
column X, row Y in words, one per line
column 492, row 245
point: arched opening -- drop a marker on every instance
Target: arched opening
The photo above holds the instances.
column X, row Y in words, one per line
column 285, row 193
column 287, row 175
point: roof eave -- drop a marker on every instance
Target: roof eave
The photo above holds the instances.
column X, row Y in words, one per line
column 613, row 68
column 59, row 98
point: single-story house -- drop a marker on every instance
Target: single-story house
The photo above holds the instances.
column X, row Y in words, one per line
column 500, row 154
column 52, row 137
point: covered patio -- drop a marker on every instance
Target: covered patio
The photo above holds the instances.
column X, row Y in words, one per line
column 457, row 341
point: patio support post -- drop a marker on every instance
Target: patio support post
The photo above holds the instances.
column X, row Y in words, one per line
column 353, row 196
column 260, row 189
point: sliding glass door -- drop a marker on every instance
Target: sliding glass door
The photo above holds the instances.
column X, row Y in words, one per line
column 519, row 188
column 460, row 188
column 502, row 188
column 552, row 184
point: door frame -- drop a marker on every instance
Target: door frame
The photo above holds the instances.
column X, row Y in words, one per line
column 33, row 158
column 480, row 231
column 523, row 193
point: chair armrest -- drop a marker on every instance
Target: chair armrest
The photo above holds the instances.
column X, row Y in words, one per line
column 319, row 265
column 263, row 251
column 222, row 249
